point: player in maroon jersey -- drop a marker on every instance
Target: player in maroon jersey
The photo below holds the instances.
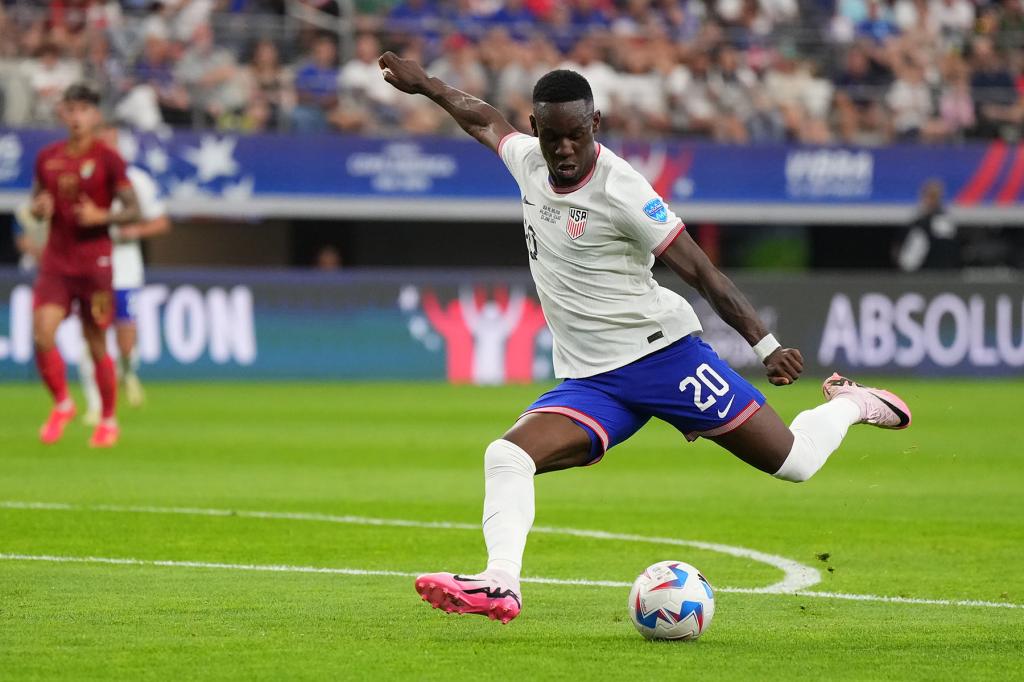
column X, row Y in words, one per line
column 76, row 180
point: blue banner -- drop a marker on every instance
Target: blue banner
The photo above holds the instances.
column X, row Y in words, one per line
column 232, row 170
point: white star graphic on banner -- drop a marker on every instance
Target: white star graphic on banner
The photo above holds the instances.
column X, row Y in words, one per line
column 156, row 159
column 213, row 158
column 240, row 191
column 128, row 145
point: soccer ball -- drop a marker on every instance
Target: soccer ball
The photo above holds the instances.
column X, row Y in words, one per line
column 671, row 600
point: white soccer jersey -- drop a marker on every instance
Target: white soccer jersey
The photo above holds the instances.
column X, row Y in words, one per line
column 591, row 250
column 127, row 256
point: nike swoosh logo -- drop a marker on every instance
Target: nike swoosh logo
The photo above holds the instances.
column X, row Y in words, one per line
column 528, row 202
column 724, row 411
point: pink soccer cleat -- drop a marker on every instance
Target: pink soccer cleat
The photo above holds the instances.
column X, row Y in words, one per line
column 878, row 407
column 53, row 429
column 105, row 435
column 484, row 594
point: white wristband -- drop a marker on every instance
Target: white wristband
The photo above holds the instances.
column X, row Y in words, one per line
column 765, row 347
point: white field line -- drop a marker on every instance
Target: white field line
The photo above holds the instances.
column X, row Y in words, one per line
column 279, row 568
column 796, row 576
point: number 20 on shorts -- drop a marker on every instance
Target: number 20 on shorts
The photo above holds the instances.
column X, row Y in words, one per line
column 708, row 379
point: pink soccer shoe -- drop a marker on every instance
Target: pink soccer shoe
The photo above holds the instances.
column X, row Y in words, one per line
column 483, row 594
column 878, row 407
column 53, row 429
column 105, row 435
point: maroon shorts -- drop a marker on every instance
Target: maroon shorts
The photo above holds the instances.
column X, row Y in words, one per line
column 94, row 294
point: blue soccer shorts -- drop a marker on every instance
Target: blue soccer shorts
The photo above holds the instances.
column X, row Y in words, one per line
column 685, row 384
column 124, row 304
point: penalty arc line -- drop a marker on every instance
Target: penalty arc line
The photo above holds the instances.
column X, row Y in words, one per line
column 796, row 576
column 283, row 568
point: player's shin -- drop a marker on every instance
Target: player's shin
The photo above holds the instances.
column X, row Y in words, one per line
column 87, row 375
column 54, row 374
column 106, row 380
column 508, row 506
column 816, row 435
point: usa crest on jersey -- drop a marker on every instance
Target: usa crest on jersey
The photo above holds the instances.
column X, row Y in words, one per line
column 576, row 223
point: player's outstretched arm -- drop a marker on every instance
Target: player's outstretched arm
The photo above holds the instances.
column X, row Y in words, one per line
column 687, row 260
column 476, row 117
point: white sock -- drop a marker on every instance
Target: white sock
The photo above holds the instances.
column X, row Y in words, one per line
column 129, row 365
column 87, row 375
column 816, row 435
column 508, row 506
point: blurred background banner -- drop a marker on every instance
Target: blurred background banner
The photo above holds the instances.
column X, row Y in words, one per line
column 486, row 327
column 277, row 176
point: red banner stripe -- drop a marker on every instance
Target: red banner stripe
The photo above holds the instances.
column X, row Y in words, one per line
column 988, row 171
column 1008, row 194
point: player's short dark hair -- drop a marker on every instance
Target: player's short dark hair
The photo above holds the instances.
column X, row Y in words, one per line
column 82, row 92
column 562, row 85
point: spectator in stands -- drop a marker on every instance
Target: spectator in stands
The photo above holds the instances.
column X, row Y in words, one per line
column 466, row 19
column 559, row 29
column 590, row 17
column 998, row 106
column 316, row 86
column 859, row 91
column 513, row 16
column 878, row 26
column 585, row 60
column 367, row 102
column 49, row 76
column 269, row 85
column 514, row 92
column 102, row 68
column 956, row 106
column 692, row 95
column 910, row 100
column 458, row 66
column 801, row 99
column 955, row 19
column 732, row 86
column 155, row 69
column 212, row 77
column 638, row 99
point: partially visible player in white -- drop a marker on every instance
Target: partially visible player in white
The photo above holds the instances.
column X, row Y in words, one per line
column 129, row 278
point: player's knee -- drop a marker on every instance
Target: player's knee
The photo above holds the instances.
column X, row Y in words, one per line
column 503, row 455
column 44, row 338
column 801, row 464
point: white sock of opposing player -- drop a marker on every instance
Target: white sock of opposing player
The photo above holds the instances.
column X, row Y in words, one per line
column 508, row 506
column 129, row 365
column 87, row 375
column 816, row 435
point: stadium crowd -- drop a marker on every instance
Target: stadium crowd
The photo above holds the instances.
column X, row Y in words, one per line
column 737, row 71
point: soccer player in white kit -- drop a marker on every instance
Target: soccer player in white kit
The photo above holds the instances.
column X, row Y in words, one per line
column 626, row 348
column 129, row 278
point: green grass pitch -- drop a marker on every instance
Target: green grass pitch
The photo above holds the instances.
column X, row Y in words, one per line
column 935, row 512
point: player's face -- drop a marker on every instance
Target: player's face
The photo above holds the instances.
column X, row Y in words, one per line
column 81, row 118
column 566, row 132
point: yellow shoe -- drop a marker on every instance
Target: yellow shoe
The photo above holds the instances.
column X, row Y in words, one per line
column 133, row 392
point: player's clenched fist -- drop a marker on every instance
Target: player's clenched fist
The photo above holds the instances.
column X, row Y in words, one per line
column 42, row 206
column 405, row 74
column 89, row 214
column 784, row 366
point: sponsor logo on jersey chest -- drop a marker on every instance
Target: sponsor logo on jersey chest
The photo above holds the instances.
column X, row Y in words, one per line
column 87, row 169
column 576, row 223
